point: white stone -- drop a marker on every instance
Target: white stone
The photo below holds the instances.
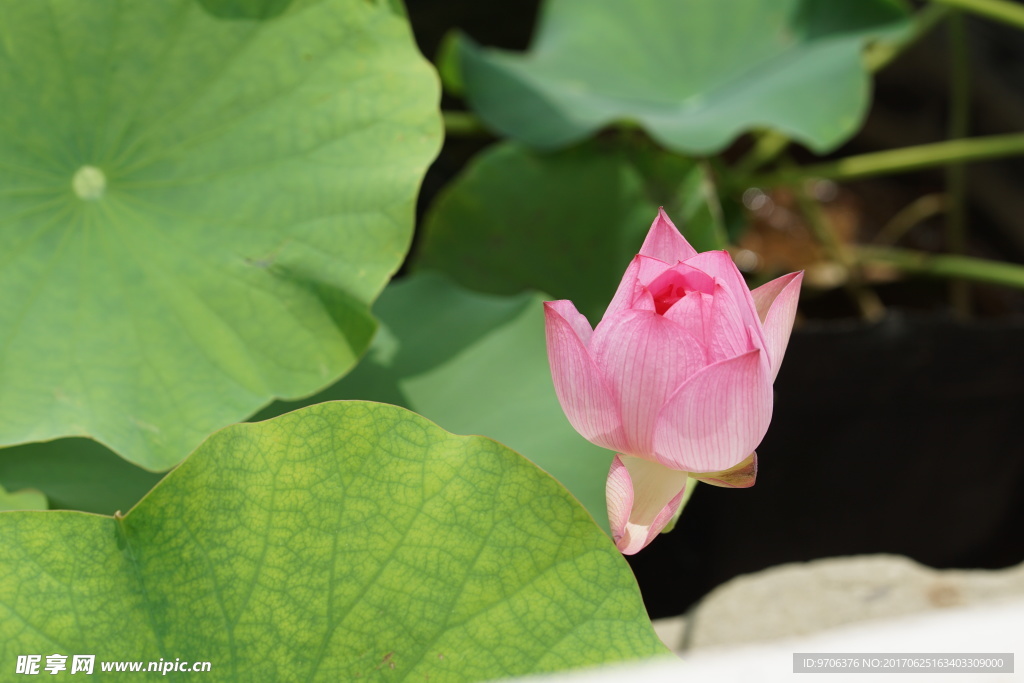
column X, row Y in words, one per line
column 986, row 628
column 809, row 597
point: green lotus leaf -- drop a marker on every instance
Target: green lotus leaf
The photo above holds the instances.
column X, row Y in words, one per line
column 245, row 9
column 76, row 474
column 341, row 542
column 24, row 499
column 196, row 211
column 693, row 73
column 565, row 223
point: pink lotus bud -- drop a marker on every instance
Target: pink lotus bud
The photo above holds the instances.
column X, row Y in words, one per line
column 676, row 378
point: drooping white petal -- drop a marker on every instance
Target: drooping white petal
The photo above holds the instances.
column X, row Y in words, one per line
column 642, row 498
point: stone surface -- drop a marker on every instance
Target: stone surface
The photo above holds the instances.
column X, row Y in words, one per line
column 807, row 598
column 984, row 628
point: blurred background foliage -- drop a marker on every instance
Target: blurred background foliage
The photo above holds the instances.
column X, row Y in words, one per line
column 839, row 216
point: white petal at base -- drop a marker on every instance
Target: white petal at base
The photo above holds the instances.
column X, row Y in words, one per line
column 642, row 498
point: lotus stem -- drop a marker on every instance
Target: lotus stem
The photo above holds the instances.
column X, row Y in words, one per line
column 1000, row 10
column 463, row 124
column 880, row 54
column 901, row 160
column 944, row 265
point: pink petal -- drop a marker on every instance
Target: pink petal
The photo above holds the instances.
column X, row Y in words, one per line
column 718, row 417
column 678, row 281
column 719, row 265
column 645, row 357
column 643, row 301
column 627, row 289
column 642, row 497
column 765, row 295
column 650, row 268
column 740, row 476
column 579, row 323
column 777, row 299
column 580, row 386
column 641, row 270
column 665, row 242
column 693, row 312
column 725, row 335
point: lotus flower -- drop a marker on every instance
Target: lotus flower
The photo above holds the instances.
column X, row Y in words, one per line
column 676, row 378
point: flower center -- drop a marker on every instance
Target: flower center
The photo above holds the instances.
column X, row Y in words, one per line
column 675, row 283
column 667, row 295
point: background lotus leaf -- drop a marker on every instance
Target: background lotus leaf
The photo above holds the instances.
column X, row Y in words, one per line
column 693, row 73
column 25, row 499
column 76, row 474
column 565, row 223
column 196, row 211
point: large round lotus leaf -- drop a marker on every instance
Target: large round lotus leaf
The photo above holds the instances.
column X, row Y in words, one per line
column 342, row 542
column 196, row 211
column 693, row 73
column 566, row 223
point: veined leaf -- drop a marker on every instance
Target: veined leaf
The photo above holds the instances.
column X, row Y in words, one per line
column 196, row 211
column 341, row 542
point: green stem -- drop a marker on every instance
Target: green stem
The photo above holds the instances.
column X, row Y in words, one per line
column 1000, row 10
column 909, row 216
column 956, row 178
column 901, row 160
column 880, row 54
column 943, row 265
column 714, row 203
column 463, row 123
column 768, row 145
